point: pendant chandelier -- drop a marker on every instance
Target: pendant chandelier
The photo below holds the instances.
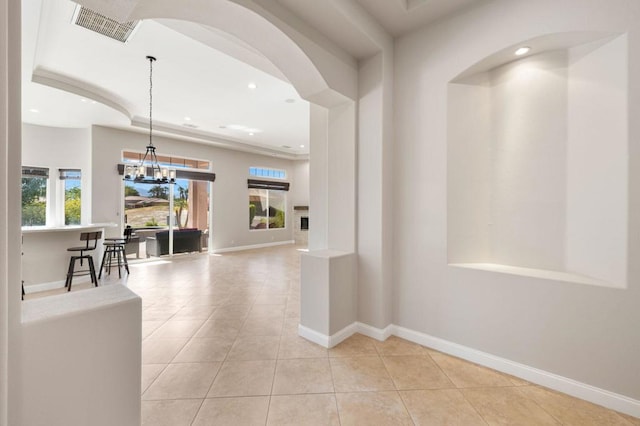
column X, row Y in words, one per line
column 148, row 170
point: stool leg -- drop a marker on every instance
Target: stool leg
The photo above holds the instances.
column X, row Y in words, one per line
column 110, row 260
column 72, row 265
column 69, row 270
column 124, row 256
column 92, row 271
column 118, row 261
column 102, row 264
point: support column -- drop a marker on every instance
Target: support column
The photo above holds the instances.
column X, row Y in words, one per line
column 329, row 270
column 10, row 173
column 375, row 193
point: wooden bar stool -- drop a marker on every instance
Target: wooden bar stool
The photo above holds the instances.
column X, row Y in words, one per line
column 91, row 241
column 114, row 248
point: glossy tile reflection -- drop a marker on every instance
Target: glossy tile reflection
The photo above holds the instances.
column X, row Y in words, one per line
column 220, row 346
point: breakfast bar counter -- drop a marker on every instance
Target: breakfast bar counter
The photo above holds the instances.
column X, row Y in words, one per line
column 45, row 257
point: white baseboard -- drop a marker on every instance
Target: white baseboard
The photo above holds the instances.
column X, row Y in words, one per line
column 313, row 336
column 343, row 334
column 553, row 381
column 323, row 339
column 250, row 247
column 53, row 285
column 375, row 333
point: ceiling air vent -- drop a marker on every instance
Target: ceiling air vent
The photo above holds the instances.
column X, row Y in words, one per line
column 99, row 23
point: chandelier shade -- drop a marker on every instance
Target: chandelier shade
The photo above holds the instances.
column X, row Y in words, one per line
column 148, row 170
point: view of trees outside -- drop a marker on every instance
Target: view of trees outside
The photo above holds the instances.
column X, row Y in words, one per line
column 147, row 205
column 72, row 201
column 266, row 208
column 34, row 201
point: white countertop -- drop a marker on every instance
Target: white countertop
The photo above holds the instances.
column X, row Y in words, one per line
column 63, row 228
column 45, row 308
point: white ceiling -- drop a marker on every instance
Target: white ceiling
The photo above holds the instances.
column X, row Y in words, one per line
column 399, row 17
column 396, row 17
column 74, row 77
column 190, row 79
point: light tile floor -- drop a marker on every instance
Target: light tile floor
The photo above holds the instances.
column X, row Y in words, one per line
column 220, row 347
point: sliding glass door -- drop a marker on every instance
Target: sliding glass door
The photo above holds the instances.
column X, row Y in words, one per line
column 147, row 209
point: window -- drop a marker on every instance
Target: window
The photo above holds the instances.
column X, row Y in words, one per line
column 71, row 179
column 34, row 196
column 147, row 205
column 268, row 173
column 267, row 204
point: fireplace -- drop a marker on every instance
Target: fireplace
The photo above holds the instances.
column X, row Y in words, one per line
column 304, row 223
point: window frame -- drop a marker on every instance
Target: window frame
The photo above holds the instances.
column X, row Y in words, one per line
column 64, row 176
column 269, row 186
column 267, row 208
column 31, row 172
column 266, row 172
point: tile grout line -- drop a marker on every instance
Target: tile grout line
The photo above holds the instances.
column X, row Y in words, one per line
column 537, row 404
column 457, row 388
column 395, row 385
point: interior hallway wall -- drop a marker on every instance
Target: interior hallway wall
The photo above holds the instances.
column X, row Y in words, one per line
column 56, row 148
column 586, row 333
column 230, row 194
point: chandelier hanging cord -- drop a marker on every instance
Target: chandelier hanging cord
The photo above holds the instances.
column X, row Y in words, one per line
column 151, row 59
column 158, row 174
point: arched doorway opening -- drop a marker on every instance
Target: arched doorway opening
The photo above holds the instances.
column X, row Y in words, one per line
column 319, row 77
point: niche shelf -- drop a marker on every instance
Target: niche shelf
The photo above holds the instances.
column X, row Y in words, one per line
column 537, row 161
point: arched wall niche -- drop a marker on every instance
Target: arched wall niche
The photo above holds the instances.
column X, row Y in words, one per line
column 537, row 179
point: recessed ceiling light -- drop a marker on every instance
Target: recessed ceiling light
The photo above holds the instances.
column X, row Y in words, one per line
column 301, row 146
column 523, row 50
column 252, row 86
column 251, row 134
column 33, row 110
column 187, row 119
column 83, row 100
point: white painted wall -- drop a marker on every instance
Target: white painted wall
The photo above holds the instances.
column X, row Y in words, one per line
column 59, row 148
column 341, row 177
column 585, row 333
column 375, row 210
column 230, row 193
column 300, row 197
column 528, row 162
column 332, row 178
column 598, row 157
column 468, row 171
column 525, row 180
column 299, row 192
column 318, row 175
